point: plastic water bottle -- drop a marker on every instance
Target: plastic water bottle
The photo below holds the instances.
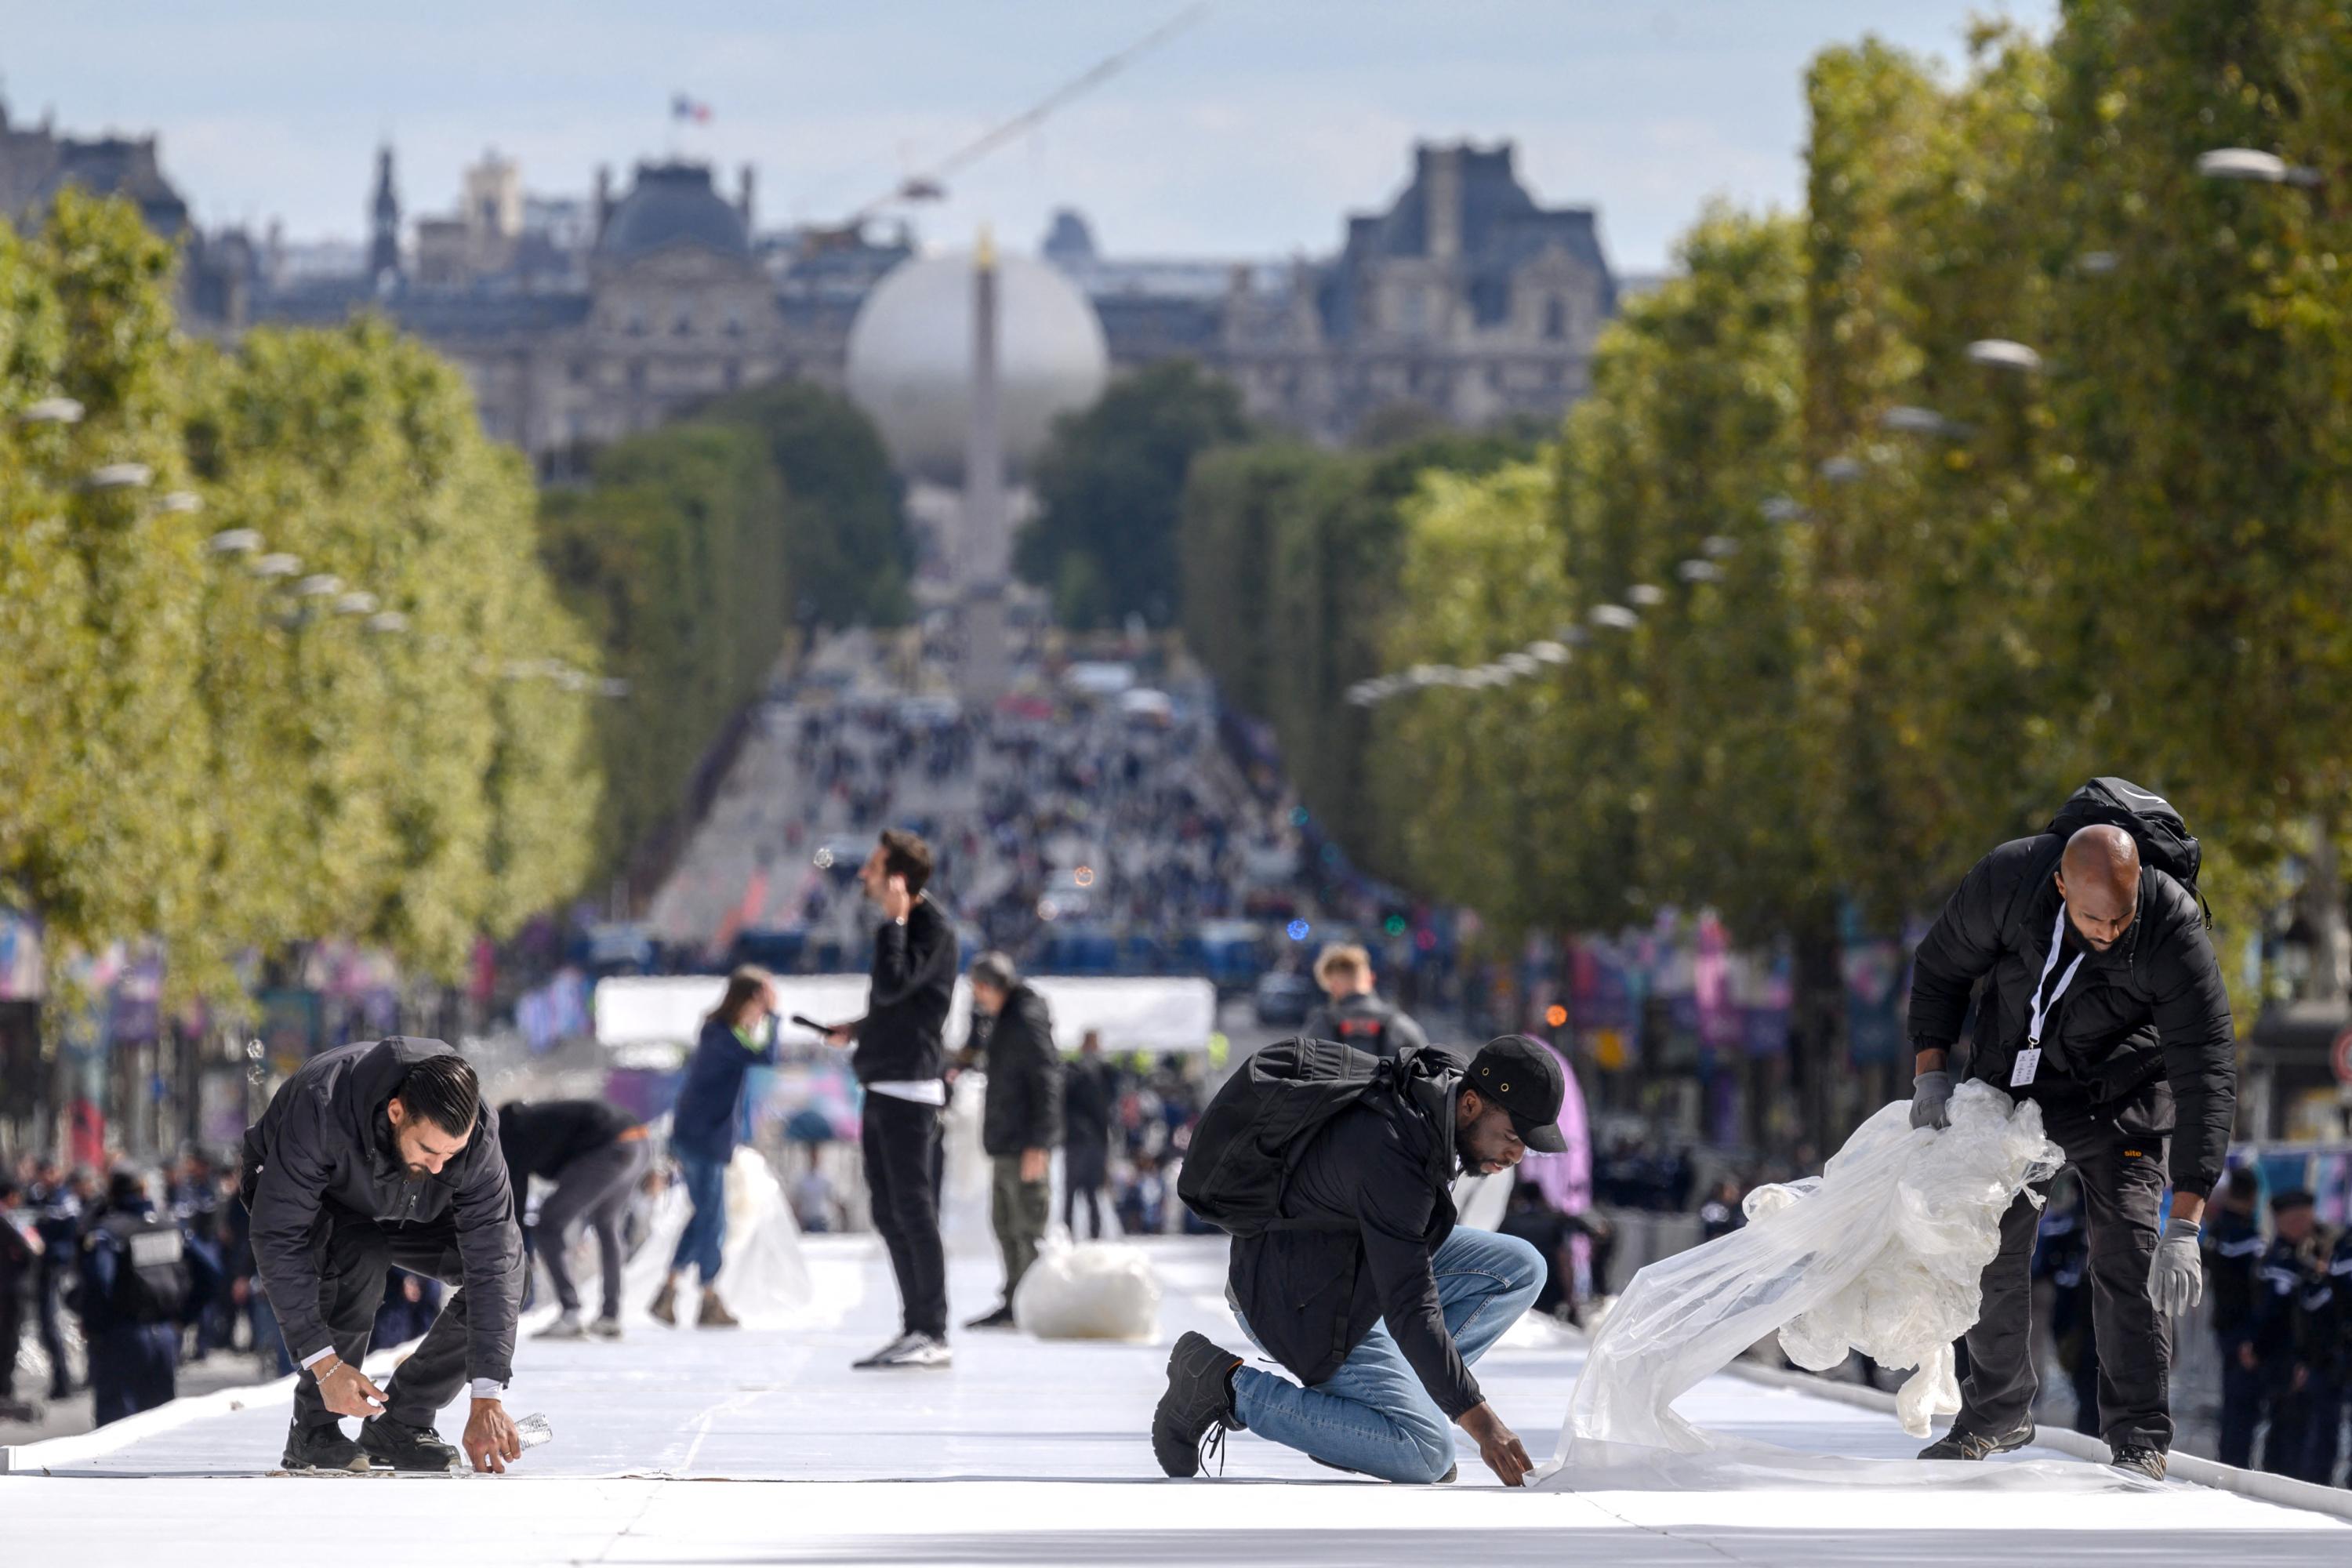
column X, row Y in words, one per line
column 533, row 1430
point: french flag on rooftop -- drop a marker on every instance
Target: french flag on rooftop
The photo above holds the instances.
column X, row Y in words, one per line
column 682, row 107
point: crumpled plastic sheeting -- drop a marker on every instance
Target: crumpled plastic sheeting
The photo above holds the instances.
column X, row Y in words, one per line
column 1881, row 1253
column 964, row 1226
column 1099, row 1290
column 762, row 1276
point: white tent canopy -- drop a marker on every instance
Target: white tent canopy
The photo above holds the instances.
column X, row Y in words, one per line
column 1133, row 1014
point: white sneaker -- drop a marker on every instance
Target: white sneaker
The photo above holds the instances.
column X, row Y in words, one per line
column 567, row 1326
column 916, row 1350
column 605, row 1328
column 882, row 1357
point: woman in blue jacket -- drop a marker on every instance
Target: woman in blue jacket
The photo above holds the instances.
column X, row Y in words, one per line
column 738, row 1035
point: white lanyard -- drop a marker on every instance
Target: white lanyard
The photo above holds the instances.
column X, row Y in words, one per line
column 2041, row 1005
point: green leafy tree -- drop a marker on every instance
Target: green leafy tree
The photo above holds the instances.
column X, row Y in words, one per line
column 847, row 551
column 1109, row 494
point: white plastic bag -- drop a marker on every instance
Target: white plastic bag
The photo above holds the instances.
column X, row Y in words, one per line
column 1881, row 1253
column 762, row 1276
column 964, row 1183
column 1101, row 1290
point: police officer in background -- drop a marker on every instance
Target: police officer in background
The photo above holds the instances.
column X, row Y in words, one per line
column 1089, row 1097
column 2102, row 1005
column 2233, row 1245
column 2327, row 1338
column 61, row 1205
column 2280, row 1341
column 1355, row 1016
column 138, row 1280
column 20, row 1260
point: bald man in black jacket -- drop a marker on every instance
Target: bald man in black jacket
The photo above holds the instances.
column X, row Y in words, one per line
column 2104, row 1006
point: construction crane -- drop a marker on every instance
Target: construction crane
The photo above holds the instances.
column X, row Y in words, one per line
column 931, row 185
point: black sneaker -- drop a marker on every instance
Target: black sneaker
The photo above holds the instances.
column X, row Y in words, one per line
column 322, row 1447
column 1000, row 1319
column 2141, row 1460
column 1958, row 1445
column 1197, row 1411
column 396, row 1445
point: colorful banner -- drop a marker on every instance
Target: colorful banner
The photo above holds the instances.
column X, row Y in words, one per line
column 22, row 972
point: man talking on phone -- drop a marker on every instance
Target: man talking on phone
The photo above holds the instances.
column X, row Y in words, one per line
column 902, row 1061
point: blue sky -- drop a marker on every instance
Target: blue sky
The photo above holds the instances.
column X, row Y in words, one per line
column 1250, row 134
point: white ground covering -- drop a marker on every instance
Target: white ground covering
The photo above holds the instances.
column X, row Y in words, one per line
column 1034, row 1453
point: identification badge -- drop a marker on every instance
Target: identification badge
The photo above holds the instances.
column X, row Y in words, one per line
column 2028, row 1062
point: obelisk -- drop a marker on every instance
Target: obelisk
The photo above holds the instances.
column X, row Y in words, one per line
column 987, row 554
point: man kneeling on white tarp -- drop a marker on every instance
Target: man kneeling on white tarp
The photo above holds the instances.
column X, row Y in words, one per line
column 1331, row 1169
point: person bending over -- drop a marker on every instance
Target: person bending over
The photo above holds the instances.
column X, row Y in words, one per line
column 595, row 1155
column 371, row 1155
column 2102, row 1005
column 1363, row 1288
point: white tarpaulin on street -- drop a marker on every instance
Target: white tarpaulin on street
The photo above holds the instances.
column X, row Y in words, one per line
column 1881, row 1253
column 1153, row 1013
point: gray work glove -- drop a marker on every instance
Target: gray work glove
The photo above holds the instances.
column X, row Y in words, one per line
column 2175, row 1276
column 1931, row 1101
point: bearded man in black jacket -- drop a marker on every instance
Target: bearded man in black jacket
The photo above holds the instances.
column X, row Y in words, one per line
column 370, row 1155
column 2104, row 1006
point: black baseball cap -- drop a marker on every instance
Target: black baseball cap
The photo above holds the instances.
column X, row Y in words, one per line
column 1525, row 1078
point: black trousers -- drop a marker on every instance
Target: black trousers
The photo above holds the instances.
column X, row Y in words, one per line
column 133, row 1367
column 2123, row 1186
column 2241, row 1406
column 902, row 1150
column 353, row 1256
column 47, row 1287
column 1086, row 1169
column 596, row 1187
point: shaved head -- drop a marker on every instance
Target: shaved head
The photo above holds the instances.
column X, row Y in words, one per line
column 2098, row 877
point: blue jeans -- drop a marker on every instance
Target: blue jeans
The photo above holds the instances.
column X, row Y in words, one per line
column 703, row 1242
column 1373, row 1415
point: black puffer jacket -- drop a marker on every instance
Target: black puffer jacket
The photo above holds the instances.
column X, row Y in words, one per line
column 1375, row 1183
column 2142, row 1037
column 901, row 1037
column 1023, row 1108
column 325, row 1150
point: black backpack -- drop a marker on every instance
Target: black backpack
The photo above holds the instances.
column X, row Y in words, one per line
column 2163, row 836
column 152, row 1282
column 1258, row 1123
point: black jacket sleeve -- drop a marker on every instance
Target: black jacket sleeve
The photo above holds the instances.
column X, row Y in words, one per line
column 490, row 1246
column 1964, row 944
column 2200, row 1059
column 906, row 957
column 1394, row 1216
column 287, row 1193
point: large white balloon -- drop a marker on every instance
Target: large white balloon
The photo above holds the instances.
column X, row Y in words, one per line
column 910, row 358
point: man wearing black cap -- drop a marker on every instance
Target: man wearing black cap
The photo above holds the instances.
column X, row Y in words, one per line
column 1365, row 1290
